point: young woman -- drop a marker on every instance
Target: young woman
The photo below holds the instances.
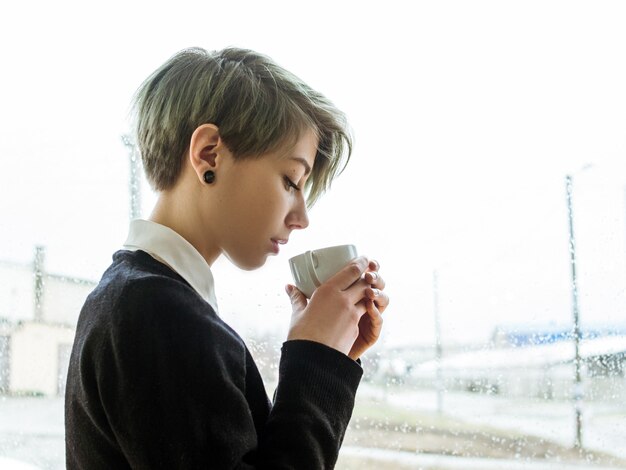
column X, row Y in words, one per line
column 237, row 147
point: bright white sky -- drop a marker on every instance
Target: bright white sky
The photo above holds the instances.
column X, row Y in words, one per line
column 467, row 117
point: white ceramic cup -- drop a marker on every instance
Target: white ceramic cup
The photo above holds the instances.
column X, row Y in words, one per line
column 313, row 267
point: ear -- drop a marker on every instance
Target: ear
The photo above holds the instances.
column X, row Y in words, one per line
column 206, row 150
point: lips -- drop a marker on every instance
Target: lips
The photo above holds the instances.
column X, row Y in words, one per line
column 276, row 242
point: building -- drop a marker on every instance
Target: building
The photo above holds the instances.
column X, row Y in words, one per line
column 38, row 314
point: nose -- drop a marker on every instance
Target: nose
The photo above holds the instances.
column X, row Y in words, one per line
column 298, row 218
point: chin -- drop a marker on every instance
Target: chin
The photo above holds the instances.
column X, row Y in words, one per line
column 248, row 263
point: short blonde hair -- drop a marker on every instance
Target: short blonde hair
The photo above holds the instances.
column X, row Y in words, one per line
column 257, row 105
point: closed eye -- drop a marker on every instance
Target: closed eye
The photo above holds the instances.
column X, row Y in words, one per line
column 290, row 184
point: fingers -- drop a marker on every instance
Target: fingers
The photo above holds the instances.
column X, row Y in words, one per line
column 375, row 316
column 372, row 276
column 377, row 284
column 374, row 279
column 350, row 274
column 378, row 297
column 370, row 327
column 298, row 299
column 362, row 279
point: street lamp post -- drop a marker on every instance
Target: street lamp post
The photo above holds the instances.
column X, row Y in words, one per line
column 38, row 274
column 134, row 181
column 438, row 347
column 578, row 389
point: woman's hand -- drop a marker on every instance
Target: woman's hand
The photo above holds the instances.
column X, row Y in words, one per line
column 344, row 312
column 371, row 324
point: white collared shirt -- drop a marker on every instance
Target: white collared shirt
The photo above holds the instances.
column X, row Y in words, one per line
column 168, row 247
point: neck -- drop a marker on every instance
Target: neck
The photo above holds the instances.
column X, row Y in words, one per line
column 178, row 212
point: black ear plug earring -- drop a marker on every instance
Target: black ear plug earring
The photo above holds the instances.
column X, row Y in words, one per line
column 209, row 177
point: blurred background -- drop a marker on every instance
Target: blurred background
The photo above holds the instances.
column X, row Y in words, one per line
column 489, row 154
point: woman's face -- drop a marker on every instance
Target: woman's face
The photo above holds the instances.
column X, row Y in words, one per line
column 261, row 201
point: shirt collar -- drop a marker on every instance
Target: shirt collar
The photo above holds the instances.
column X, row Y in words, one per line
column 168, row 247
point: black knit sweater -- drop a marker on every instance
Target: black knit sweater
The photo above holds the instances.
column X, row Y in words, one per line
column 158, row 380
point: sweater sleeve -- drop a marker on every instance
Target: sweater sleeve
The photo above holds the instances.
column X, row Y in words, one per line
column 171, row 381
column 312, row 406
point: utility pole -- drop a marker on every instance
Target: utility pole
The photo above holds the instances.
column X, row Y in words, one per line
column 38, row 275
column 624, row 216
column 134, row 181
column 438, row 348
column 578, row 388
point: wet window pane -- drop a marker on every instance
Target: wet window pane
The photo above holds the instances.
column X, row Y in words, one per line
column 488, row 178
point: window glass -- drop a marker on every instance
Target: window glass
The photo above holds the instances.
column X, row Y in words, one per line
column 488, row 179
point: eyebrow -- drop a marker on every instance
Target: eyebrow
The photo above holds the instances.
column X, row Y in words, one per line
column 307, row 168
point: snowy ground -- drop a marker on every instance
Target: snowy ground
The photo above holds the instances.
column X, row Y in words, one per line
column 604, row 425
column 31, row 430
column 354, row 458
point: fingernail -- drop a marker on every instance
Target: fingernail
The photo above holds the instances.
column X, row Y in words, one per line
column 376, row 292
column 288, row 289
